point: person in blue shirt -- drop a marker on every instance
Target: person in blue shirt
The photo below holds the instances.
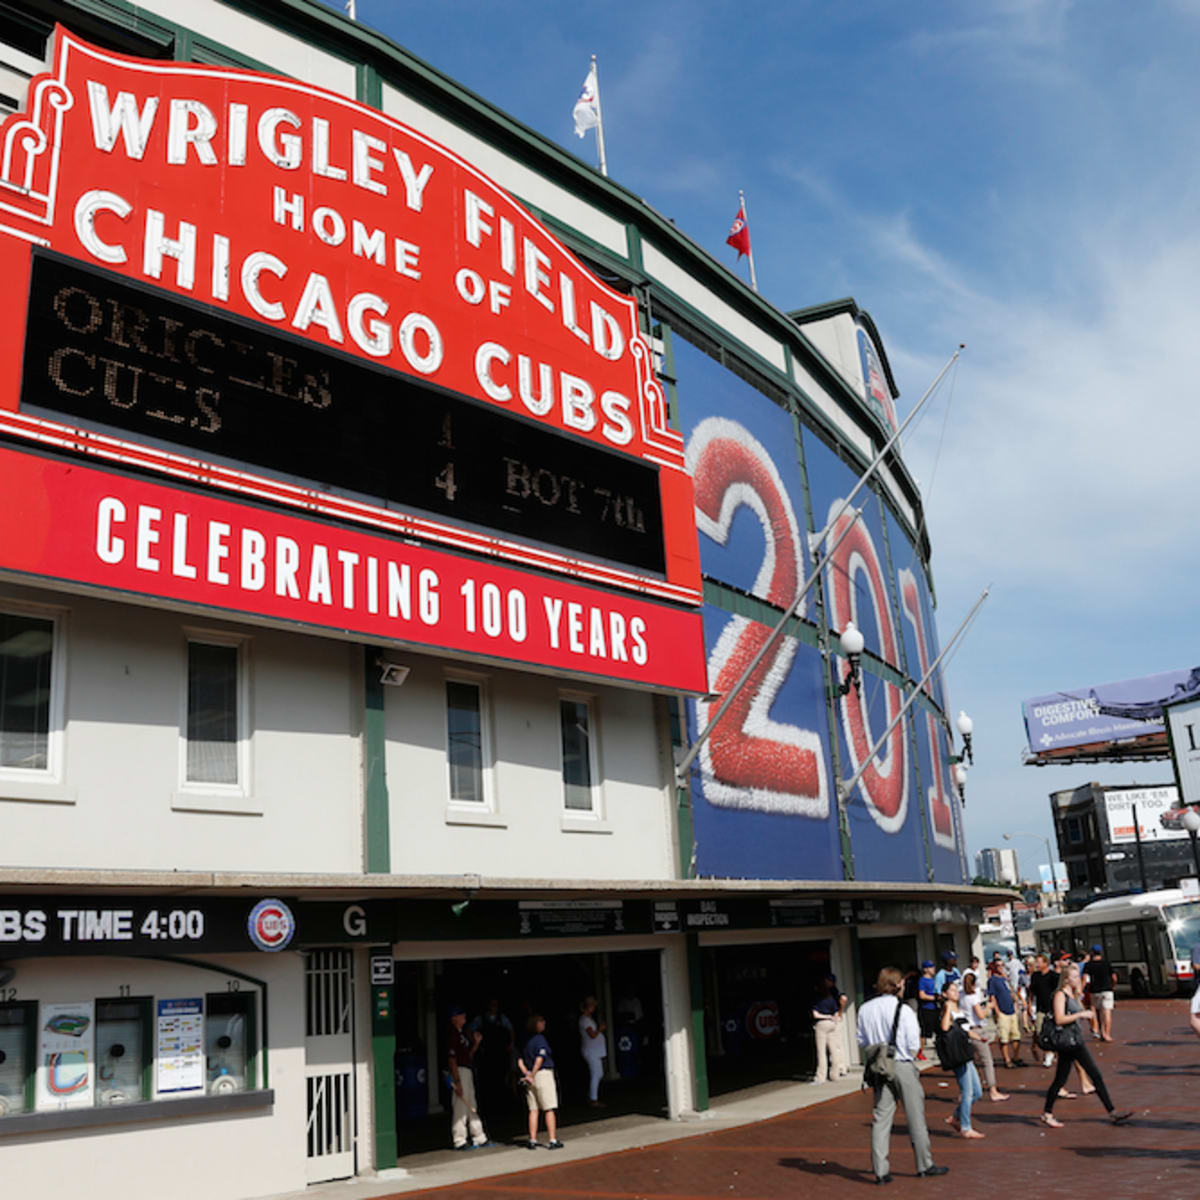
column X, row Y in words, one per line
column 949, row 971
column 1008, row 1025
column 536, row 1064
column 927, row 998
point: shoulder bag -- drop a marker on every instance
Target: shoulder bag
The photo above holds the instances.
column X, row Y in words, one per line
column 879, row 1059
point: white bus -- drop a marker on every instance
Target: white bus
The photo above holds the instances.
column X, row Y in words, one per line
column 1148, row 938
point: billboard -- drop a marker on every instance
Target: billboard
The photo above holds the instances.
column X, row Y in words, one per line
column 1132, row 708
column 256, row 287
column 1183, row 726
column 1158, row 813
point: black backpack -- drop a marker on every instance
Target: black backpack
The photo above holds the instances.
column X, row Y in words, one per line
column 953, row 1046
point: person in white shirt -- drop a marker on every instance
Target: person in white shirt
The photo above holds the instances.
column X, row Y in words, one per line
column 593, row 1046
column 974, row 1004
column 875, row 1020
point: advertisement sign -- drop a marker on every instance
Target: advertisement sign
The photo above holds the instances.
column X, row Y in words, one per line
column 875, row 384
column 179, row 1046
column 1132, row 708
column 1058, row 882
column 66, row 1055
column 254, row 286
column 1183, row 728
column 80, row 525
column 1158, row 815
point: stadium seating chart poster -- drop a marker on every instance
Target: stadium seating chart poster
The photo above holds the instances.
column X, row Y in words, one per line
column 762, row 785
column 885, row 821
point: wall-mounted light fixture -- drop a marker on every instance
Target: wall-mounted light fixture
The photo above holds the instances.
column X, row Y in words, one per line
column 392, row 674
column 960, row 779
column 851, row 644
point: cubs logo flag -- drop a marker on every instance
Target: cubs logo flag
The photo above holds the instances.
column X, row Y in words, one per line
column 587, row 108
column 739, row 233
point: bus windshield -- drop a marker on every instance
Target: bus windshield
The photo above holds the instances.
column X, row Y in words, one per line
column 1183, row 924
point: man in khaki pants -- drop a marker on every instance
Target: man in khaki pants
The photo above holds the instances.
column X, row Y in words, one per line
column 827, row 1029
column 464, row 1114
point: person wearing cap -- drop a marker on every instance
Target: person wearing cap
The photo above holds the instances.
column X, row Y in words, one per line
column 949, row 971
column 927, row 998
column 464, row 1112
column 1100, row 979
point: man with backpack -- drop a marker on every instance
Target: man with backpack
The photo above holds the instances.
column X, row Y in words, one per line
column 888, row 1033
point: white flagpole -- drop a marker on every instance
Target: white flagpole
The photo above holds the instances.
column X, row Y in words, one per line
column 749, row 240
column 352, row 10
column 600, row 122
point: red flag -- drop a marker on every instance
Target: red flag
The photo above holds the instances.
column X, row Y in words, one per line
column 739, row 233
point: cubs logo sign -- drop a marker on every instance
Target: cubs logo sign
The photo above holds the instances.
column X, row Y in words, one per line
column 271, row 925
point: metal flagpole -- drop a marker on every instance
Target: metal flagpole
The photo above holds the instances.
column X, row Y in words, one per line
column 814, row 545
column 844, row 789
column 749, row 240
column 599, row 121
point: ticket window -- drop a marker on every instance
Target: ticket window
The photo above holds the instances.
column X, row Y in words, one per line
column 229, row 1042
column 17, row 1022
column 122, row 1051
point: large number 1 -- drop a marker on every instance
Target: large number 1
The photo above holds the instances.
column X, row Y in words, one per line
column 750, row 761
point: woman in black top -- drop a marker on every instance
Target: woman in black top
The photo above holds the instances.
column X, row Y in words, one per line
column 1066, row 1013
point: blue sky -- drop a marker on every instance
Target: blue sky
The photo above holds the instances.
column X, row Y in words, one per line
column 1019, row 175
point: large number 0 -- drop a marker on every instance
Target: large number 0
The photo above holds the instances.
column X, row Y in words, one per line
column 941, row 818
column 751, row 761
column 885, row 780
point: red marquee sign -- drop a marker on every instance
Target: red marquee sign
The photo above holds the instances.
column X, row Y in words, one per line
column 247, row 202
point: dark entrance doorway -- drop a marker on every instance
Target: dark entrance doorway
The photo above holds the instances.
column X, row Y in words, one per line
column 499, row 996
column 758, row 1006
column 875, row 953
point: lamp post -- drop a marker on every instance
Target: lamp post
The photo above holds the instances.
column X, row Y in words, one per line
column 960, row 778
column 1191, row 822
column 1008, row 837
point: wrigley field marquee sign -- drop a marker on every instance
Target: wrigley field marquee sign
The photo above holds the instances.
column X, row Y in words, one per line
column 319, row 369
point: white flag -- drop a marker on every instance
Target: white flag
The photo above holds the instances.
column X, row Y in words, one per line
column 587, row 107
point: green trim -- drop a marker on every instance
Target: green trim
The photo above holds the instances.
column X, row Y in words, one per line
column 383, row 1074
column 369, row 86
column 699, row 1044
column 740, row 604
column 375, row 789
column 685, row 828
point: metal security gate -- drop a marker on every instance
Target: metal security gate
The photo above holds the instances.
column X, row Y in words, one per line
column 329, row 1064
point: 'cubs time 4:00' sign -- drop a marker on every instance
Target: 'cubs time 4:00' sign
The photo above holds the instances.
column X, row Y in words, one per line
column 264, row 288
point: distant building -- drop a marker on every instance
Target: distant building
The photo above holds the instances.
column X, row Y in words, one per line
column 1098, row 839
column 1000, row 866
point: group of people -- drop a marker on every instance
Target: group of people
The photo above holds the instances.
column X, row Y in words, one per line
column 534, row 1069
column 961, row 1014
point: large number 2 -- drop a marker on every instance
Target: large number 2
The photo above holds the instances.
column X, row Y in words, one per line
column 941, row 817
column 750, row 761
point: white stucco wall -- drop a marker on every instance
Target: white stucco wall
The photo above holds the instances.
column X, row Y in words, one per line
column 527, row 833
column 193, row 1158
column 120, row 802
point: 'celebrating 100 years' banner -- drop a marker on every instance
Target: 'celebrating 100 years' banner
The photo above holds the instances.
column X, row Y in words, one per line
column 228, row 270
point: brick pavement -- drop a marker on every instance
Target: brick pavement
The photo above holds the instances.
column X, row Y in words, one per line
column 1153, row 1067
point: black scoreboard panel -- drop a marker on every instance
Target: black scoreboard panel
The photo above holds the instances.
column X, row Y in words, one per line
column 106, row 353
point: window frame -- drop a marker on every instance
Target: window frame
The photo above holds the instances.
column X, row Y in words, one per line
column 145, row 1005
column 595, row 817
column 43, row 783
column 30, row 1009
column 249, row 1001
column 471, row 812
column 197, row 795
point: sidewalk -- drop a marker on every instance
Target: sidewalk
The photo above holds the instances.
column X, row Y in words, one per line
column 780, row 1141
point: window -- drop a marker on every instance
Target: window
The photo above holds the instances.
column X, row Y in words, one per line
column 578, row 754
column 216, row 717
column 466, row 741
column 26, row 687
column 17, row 1024
column 229, row 1037
column 122, row 1051
column 1074, row 830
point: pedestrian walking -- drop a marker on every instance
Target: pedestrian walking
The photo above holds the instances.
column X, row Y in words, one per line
column 593, row 1046
column 536, row 1064
column 1101, row 979
column 827, row 1013
column 460, row 1056
column 1042, row 984
column 1066, row 1013
column 927, row 1002
column 1004, row 1006
column 976, row 1008
column 956, row 1051
column 882, row 1020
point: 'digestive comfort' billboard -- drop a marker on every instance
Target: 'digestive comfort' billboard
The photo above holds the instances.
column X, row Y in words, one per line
column 269, row 351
